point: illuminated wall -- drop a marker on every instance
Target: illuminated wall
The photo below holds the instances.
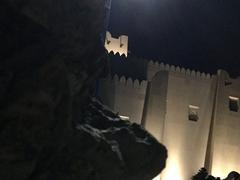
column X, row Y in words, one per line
column 186, row 140
column 226, row 143
column 156, row 105
column 117, row 45
column 178, row 106
column 124, row 96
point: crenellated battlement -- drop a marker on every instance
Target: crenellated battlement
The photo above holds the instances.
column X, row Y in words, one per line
column 129, row 82
column 111, row 53
column 156, row 66
column 116, row 45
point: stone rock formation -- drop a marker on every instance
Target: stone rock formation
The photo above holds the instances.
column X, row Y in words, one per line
column 233, row 176
column 50, row 126
column 203, row 175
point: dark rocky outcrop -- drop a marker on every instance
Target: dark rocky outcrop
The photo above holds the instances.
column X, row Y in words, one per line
column 50, row 127
column 204, row 175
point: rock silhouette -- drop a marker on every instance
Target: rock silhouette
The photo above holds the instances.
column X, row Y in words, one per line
column 50, row 126
column 204, row 175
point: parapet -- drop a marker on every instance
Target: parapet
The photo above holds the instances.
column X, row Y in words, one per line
column 129, row 82
column 154, row 67
column 116, row 45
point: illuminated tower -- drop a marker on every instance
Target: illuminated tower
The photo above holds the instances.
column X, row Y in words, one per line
column 116, row 45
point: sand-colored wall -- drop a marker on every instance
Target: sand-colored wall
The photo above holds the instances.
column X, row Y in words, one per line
column 156, row 105
column 124, row 96
column 165, row 108
column 226, row 142
column 117, row 45
column 186, row 140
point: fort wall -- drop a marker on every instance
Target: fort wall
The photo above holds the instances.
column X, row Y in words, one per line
column 226, row 146
column 171, row 93
column 154, row 67
column 185, row 138
column 156, row 105
column 125, row 96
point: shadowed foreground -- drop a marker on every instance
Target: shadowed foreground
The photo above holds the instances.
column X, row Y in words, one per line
column 50, row 126
column 203, row 175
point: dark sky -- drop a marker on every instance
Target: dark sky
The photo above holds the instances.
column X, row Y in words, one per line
column 199, row 34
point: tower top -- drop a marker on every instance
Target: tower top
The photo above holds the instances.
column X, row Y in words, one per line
column 116, row 45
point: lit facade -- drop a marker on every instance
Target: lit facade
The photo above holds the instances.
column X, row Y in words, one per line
column 195, row 115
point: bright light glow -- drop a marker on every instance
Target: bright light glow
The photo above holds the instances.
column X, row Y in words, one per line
column 157, row 178
column 193, row 107
column 124, row 117
column 219, row 172
column 234, row 98
column 173, row 168
column 223, row 169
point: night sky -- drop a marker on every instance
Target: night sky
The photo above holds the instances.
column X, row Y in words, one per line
column 197, row 34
